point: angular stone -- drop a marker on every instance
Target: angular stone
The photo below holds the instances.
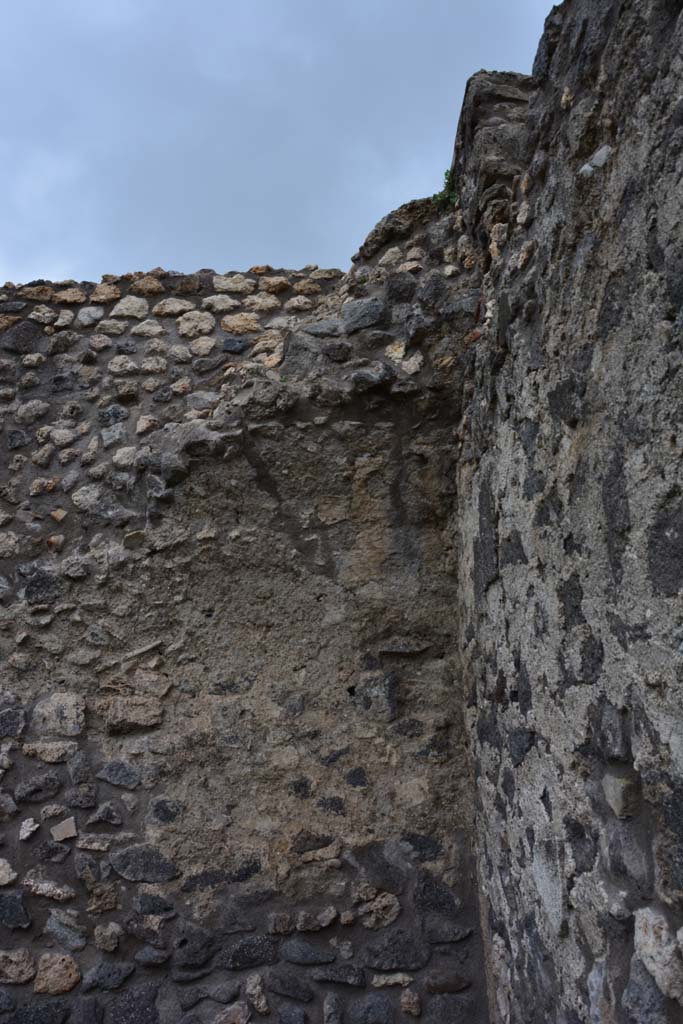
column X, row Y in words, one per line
column 196, row 324
column 333, row 1012
column 63, row 927
column 137, row 1006
column 83, row 796
column 107, row 975
column 13, row 913
column 127, row 714
column 642, row 998
column 89, row 315
column 447, row 981
column 107, row 936
column 60, row 714
column 292, row 1015
column 22, row 337
column 37, row 788
column 31, row 411
column 299, row 951
column 391, row 980
column 12, row 722
column 51, row 752
column 241, row 323
column 372, row 1009
column 236, row 284
column 253, row 989
column 622, row 793
column 8, row 808
column 132, row 305
column 106, row 814
column 17, row 966
column 410, row 1003
column 657, row 948
column 380, row 912
column 253, row 951
column 287, row 983
column 397, row 951
column 172, row 307
column 7, row 872
column 143, row 863
column 65, row 830
column 360, row 313
column 57, row 973
column 149, row 956
column 41, row 886
column 120, row 773
column 341, row 974
column 28, row 827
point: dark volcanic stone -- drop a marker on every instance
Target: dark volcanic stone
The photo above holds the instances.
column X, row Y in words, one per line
column 143, row 863
column 87, row 1011
column 12, row 722
column 439, row 930
column 447, row 981
column 13, row 913
column 189, row 997
column 298, row 951
column 83, row 795
column 50, row 852
column 373, row 1009
column 137, row 1006
column 249, row 952
column 397, row 951
column 24, row 337
column 66, row 930
column 292, row 1015
column 333, row 1009
column 120, row 773
column 107, row 975
column 79, row 768
column 8, row 808
column 449, row 1009
column 426, row 848
column 147, row 903
column 433, row 895
column 286, row 983
column 163, row 810
column 55, row 1012
column 106, row 814
column 6, row 1002
column 341, row 974
column 193, row 946
column 360, row 313
column 148, row 956
column 38, row 788
column 43, row 587
column 665, row 552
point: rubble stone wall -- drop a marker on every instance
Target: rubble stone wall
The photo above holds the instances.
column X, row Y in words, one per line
column 339, row 613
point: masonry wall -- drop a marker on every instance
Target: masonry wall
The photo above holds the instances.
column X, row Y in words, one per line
column 339, row 613
column 235, row 770
column 571, row 524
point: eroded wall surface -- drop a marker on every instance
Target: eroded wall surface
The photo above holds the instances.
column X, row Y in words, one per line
column 571, row 523
column 235, row 773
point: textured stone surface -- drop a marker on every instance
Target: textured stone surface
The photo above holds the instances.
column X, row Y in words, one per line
column 315, row 585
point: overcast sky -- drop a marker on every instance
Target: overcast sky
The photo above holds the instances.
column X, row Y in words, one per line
column 143, row 133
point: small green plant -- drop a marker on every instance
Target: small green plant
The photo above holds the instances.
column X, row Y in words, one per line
column 448, row 197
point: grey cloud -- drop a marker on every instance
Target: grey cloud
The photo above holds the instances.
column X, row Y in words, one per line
column 144, row 133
